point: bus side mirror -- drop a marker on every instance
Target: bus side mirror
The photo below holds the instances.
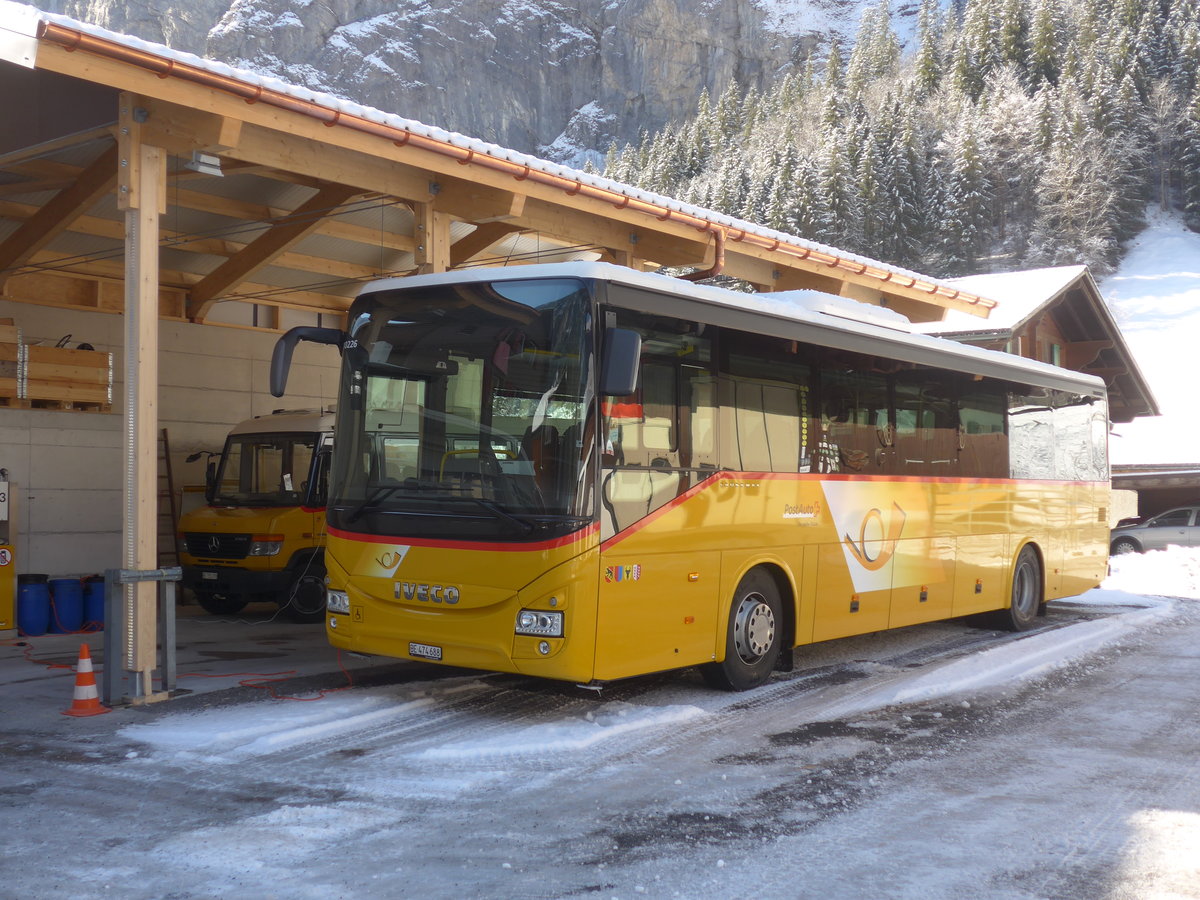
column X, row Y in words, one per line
column 619, row 368
column 210, row 472
column 281, row 357
column 210, row 480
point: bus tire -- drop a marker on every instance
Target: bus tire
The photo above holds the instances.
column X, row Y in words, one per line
column 304, row 600
column 1026, row 595
column 220, row 604
column 753, row 635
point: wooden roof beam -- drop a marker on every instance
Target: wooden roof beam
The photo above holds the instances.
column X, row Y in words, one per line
column 113, row 230
column 479, row 240
column 262, row 250
column 56, row 216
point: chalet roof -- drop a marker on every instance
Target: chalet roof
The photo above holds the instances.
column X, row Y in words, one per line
column 1019, row 297
column 1070, row 295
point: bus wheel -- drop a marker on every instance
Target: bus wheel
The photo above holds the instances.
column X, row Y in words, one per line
column 305, row 596
column 753, row 636
column 219, row 604
column 1026, row 593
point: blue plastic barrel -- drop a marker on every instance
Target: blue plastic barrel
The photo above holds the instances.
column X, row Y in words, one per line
column 33, row 605
column 66, row 605
column 93, row 603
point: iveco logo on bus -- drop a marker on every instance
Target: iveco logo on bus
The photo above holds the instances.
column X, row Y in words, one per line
column 427, row 593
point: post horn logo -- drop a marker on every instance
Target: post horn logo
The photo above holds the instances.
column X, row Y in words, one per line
column 861, row 550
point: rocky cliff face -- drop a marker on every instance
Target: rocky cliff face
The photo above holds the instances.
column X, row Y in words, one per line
column 554, row 78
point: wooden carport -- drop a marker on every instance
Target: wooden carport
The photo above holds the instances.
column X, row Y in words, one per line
column 139, row 181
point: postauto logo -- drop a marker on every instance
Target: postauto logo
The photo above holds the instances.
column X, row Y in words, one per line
column 871, row 519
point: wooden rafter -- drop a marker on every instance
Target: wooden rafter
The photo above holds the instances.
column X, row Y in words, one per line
column 57, row 215
column 479, row 240
column 260, row 252
column 111, row 229
column 234, row 208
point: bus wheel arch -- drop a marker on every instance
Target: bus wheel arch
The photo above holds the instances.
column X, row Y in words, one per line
column 754, row 633
column 787, row 597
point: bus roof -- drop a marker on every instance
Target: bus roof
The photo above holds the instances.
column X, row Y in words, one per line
column 289, row 420
column 811, row 316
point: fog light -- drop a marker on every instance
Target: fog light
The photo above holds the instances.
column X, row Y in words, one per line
column 540, row 622
column 337, row 602
column 332, row 622
column 544, row 648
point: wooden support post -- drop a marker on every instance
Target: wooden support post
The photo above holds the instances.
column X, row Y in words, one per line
column 141, row 194
column 431, row 234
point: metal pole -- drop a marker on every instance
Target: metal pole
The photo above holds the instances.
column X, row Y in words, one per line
column 114, row 639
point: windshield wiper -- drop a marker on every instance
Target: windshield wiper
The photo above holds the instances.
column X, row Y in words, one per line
column 381, row 494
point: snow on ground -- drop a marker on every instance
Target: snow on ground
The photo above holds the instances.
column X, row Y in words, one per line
column 1137, row 594
column 1155, row 296
column 924, row 763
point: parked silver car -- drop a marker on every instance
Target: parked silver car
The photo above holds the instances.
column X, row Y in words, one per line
column 1178, row 527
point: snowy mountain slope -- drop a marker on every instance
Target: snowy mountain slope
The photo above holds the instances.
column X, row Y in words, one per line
column 1155, row 296
column 542, row 76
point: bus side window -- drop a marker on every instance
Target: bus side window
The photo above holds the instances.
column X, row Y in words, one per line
column 854, row 422
column 764, row 426
column 698, row 427
column 981, row 437
column 926, row 424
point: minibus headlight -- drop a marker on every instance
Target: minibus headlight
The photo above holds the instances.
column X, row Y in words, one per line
column 337, row 602
column 265, row 545
column 540, row 622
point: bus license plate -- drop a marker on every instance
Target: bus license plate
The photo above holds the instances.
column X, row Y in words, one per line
column 425, row 651
column 209, row 576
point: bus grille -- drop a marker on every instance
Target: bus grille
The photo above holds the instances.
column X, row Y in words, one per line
column 217, row 546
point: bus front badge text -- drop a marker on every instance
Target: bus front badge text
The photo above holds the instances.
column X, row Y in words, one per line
column 426, row 593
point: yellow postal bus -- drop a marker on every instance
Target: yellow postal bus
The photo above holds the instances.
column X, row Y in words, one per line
column 582, row 472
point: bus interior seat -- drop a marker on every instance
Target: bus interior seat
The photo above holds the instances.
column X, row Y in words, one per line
column 632, row 493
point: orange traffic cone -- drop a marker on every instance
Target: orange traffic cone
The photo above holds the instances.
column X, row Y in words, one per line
column 87, row 698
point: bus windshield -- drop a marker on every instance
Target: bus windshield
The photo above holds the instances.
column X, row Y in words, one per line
column 463, row 412
column 265, row 470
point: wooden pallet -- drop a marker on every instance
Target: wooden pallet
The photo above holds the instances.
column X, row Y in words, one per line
column 72, row 405
column 68, row 376
column 34, row 377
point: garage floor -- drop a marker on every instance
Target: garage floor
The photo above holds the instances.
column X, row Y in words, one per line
column 218, row 660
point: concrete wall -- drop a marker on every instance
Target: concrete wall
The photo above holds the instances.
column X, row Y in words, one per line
column 67, row 466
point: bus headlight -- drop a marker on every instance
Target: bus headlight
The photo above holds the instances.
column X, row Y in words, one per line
column 539, row 622
column 265, row 545
column 337, row 602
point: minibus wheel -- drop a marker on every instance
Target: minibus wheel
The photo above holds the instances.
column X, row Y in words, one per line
column 753, row 635
column 304, row 600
